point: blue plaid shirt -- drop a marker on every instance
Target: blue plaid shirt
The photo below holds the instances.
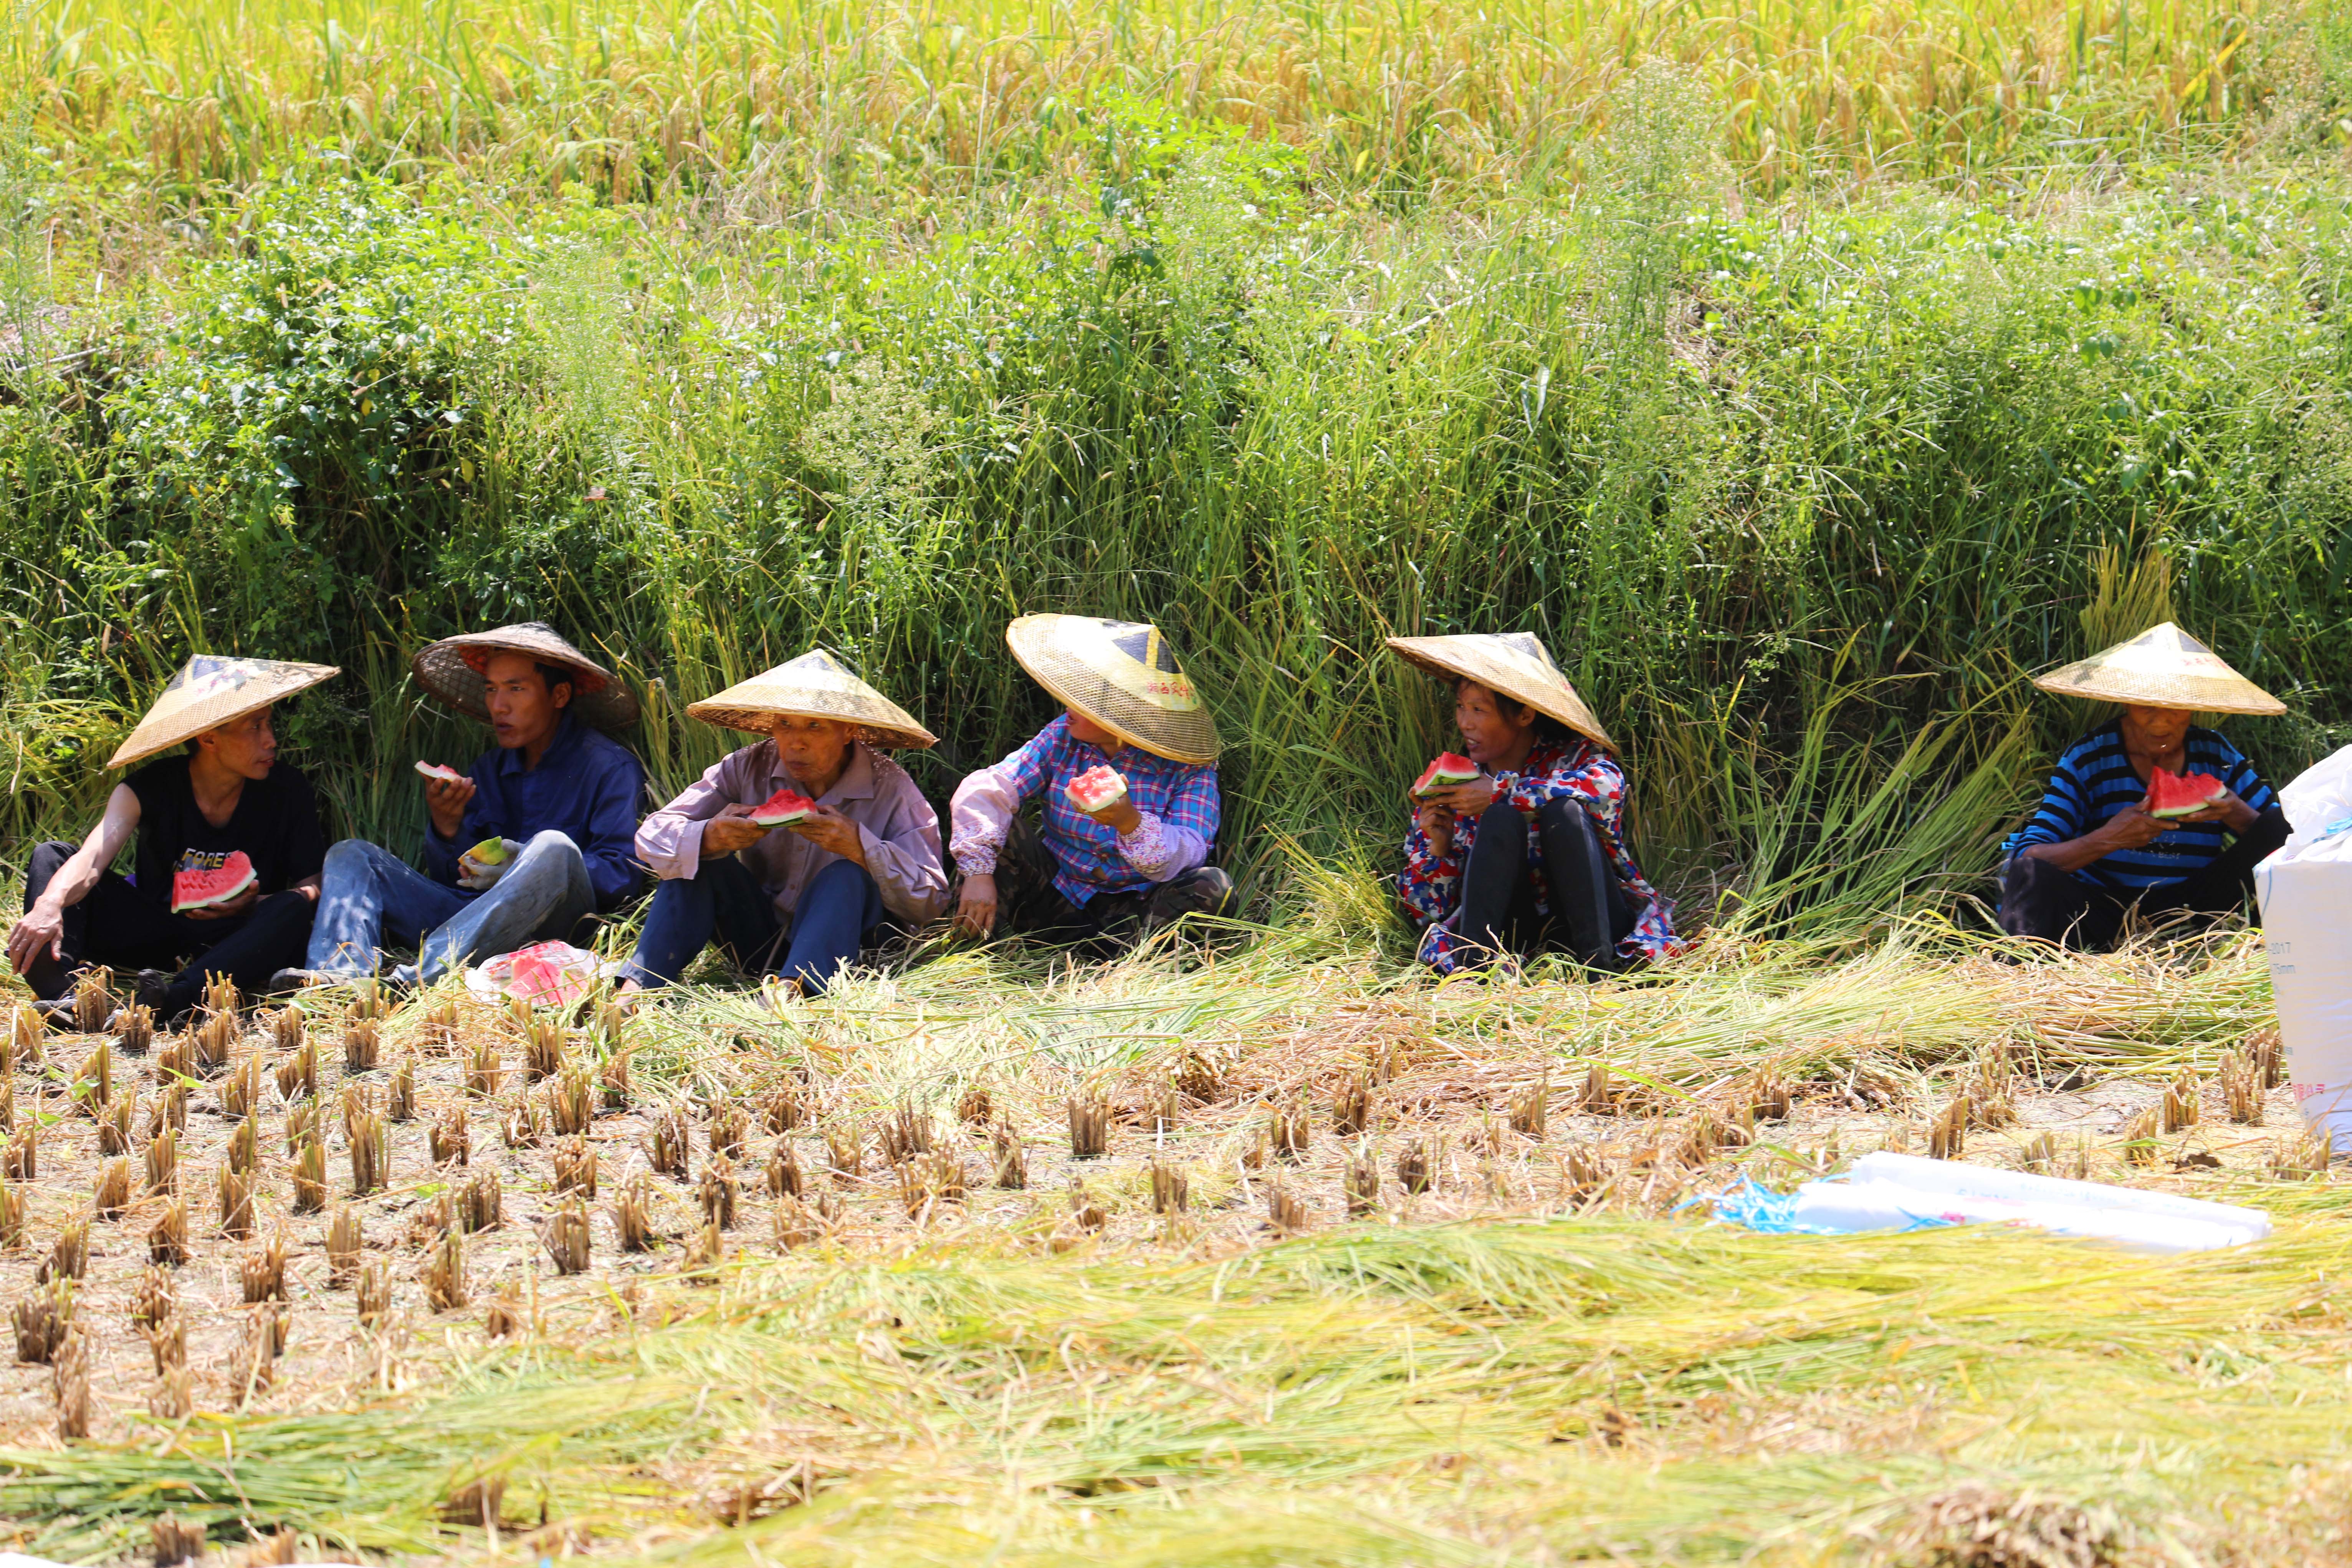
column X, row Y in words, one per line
column 1178, row 801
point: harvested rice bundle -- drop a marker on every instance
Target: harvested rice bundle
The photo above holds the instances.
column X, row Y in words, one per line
column 2241, row 1089
column 1413, row 1168
column 12, row 1214
column 845, row 1153
column 1166, row 1109
column 112, row 1194
column 481, row 1202
column 567, row 1237
column 167, row 1238
column 41, row 1320
column 1947, row 1134
column 2298, row 1157
column 93, row 1005
column 973, row 1107
column 440, row 1032
column 174, row 1398
column 1286, row 1213
column 1170, row 1188
column 719, row 1193
column 1289, row 1131
column 372, row 1296
column 400, row 1094
column 903, row 1134
column 263, row 1273
column 669, row 1152
column 569, row 1103
column 245, row 1146
column 1010, row 1156
column 1583, row 1173
column 1089, row 1125
column 2041, row 1154
column 154, row 1300
column 785, row 1178
column 543, row 1053
column 612, row 1080
column 114, row 1127
column 134, row 1029
column 343, row 1243
column 449, row 1141
column 298, row 1074
column 361, row 1044
column 253, row 1366
column 522, row 1126
column 2181, row 1103
column 166, row 1110
column 785, row 1110
column 502, row 1318
column 235, row 1188
column 728, row 1130
column 176, row 1540
column 704, row 1256
column 69, row 1257
column 633, row 1216
column 2140, row 1137
column 93, row 1085
column 575, row 1167
column 21, row 1162
column 311, row 1176
column 1351, row 1107
column 70, row 1383
column 1085, row 1214
column 369, row 1003
column 28, row 1038
column 797, row 1224
column 1361, row 1181
column 1530, row 1109
column 482, row 1070
column 221, row 995
column 1199, row 1078
column 212, row 1039
column 289, row 1029
column 445, row 1274
column 930, row 1180
column 240, row 1092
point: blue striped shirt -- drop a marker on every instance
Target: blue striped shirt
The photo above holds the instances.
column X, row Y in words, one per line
column 2094, row 780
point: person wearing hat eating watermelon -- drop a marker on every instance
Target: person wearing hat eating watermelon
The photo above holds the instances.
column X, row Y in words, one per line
column 1128, row 781
column 792, row 854
column 2148, row 814
column 537, row 837
column 1518, row 847
column 227, row 850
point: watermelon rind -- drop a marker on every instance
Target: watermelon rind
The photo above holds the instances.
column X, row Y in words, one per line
column 782, row 809
column 2171, row 789
column 1098, row 787
column 488, row 852
column 1445, row 774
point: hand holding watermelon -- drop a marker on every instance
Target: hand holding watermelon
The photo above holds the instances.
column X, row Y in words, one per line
column 1101, row 793
column 446, row 791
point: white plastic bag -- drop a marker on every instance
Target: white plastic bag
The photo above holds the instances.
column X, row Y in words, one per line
column 2305, row 891
column 545, row 975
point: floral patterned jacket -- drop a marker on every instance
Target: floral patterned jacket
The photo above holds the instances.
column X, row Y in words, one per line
column 1432, row 884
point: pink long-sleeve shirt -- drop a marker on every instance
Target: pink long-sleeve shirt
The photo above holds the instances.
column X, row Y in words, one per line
column 898, row 827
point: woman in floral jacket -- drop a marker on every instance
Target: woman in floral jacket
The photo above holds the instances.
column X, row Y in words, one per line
column 1531, row 854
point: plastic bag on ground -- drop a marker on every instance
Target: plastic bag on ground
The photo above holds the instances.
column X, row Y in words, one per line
column 1904, row 1192
column 545, row 975
column 2305, row 891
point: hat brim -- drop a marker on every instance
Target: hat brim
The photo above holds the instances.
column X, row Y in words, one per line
column 446, row 669
column 1456, row 659
column 162, row 728
column 1187, row 736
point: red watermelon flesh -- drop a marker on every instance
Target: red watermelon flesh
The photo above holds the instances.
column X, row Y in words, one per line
column 1097, row 788
column 436, row 771
column 2170, row 794
column 201, row 890
column 782, row 809
column 1445, row 774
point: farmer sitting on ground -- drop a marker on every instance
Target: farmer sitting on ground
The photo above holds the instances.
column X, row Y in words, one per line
column 2092, row 853
column 1530, row 855
column 797, row 900
column 537, row 837
column 191, row 814
column 1139, row 858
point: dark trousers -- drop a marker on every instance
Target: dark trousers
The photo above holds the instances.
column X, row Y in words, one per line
column 1589, row 912
column 123, row 928
column 2039, row 899
column 840, row 910
column 1028, row 903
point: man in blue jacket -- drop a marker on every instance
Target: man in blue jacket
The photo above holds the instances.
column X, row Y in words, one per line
column 540, row 834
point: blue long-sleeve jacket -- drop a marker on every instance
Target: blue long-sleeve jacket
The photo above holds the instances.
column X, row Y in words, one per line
column 587, row 787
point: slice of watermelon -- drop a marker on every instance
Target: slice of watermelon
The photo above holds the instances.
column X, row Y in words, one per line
column 222, row 884
column 1445, row 774
column 488, row 852
column 436, row 771
column 2170, row 794
column 1098, row 789
column 782, row 809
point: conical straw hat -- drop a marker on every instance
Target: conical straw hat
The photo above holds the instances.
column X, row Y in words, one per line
column 452, row 670
column 1123, row 676
column 210, row 690
column 1516, row 664
column 813, row 686
column 2163, row 667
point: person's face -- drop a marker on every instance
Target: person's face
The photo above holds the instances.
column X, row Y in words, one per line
column 523, row 711
column 246, row 747
column 1487, row 734
column 813, row 751
column 2154, row 729
column 1084, row 729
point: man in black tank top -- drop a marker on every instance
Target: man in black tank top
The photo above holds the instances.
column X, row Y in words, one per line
column 227, row 849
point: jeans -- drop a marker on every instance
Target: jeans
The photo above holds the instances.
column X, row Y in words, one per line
column 2041, row 901
column 839, row 910
column 1028, row 903
column 117, row 925
column 371, row 899
column 1589, row 912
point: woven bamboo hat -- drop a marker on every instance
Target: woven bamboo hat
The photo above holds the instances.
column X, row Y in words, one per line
column 1123, row 676
column 2163, row 667
column 1516, row 664
column 208, row 691
column 813, row 686
column 452, row 670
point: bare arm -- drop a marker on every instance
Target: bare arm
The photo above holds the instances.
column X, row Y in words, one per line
column 43, row 925
column 2126, row 830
